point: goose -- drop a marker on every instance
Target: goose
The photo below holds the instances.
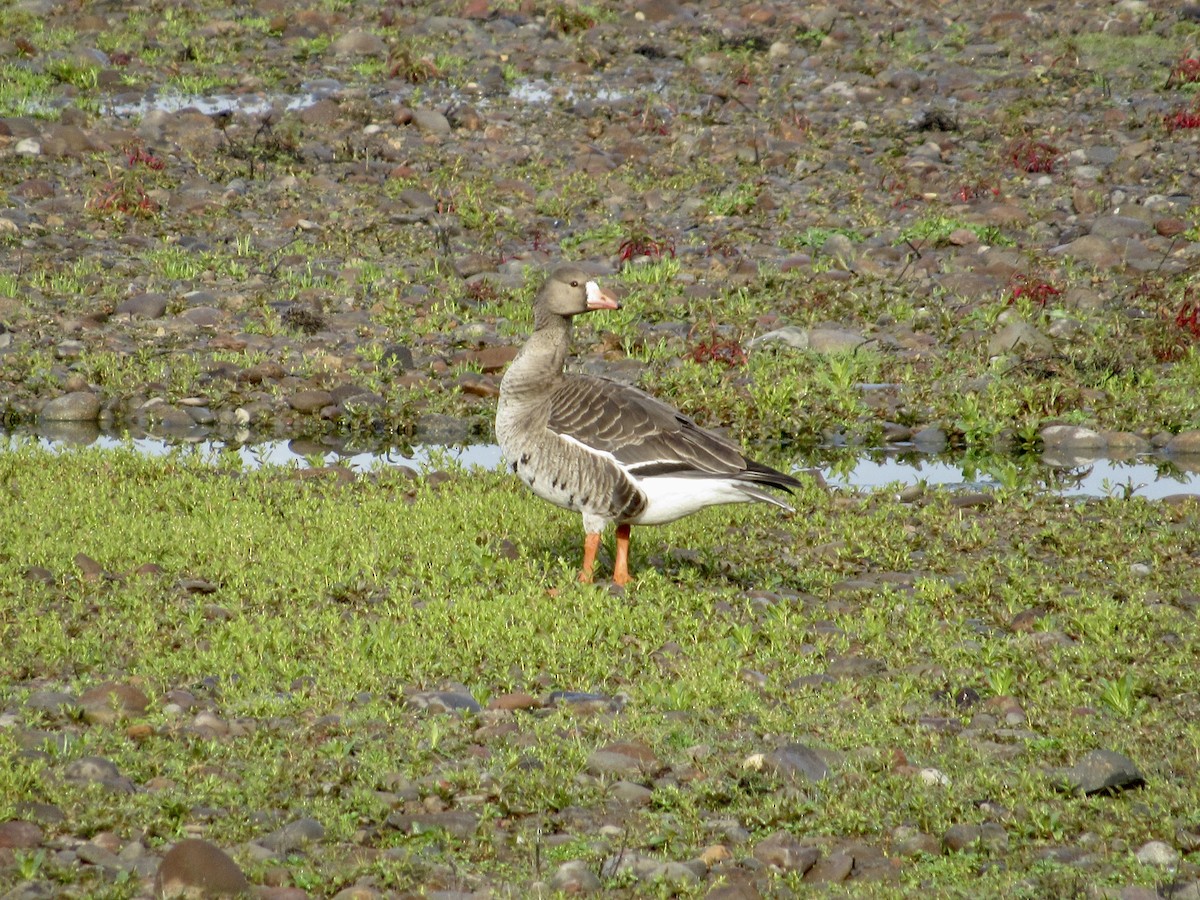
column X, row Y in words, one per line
column 605, row 449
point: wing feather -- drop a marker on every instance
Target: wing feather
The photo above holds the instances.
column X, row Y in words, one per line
column 647, row 436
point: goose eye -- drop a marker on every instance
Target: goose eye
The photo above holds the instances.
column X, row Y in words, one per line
column 574, row 284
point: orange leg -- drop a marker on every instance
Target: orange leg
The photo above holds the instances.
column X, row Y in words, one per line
column 621, row 563
column 591, row 543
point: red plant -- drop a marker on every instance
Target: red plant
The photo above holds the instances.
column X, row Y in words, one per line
column 1033, row 156
column 1183, row 118
column 483, row 291
column 537, row 239
column 1179, row 327
column 1040, row 292
column 969, row 192
column 644, row 245
column 1186, row 71
column 727, row 351
column 1188, row 318
column 901, row 188
column 115, row 196
column 137, row 155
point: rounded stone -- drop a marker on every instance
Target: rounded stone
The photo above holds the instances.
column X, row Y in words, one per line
column 19, row 835
column 308, row 401
column 1158, row 854
column 196, row 868
column 77, row 406
column 575, row 877
column 106, row 703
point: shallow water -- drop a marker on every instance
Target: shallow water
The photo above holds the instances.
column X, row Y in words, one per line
column 1152, row 477
column 533, row 91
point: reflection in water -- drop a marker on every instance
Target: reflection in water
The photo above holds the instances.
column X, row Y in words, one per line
column 1152, row 477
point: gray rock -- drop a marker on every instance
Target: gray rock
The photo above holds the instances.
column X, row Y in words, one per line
column 1091, row 248
column 143, row 306
column 431, row 121
column 460, row 824
column 51, row 701
column 77, row 406
column 106, row 703
column 359, row 43
column 783, row 851
column 839, row 247
column 1158, row 854
column 819, row 340
column 196, row 868
column 98, row 770
column 439, row 428
column 1185, row 442
column 1100, row 771
column 584, row 702
column 622, row 758
column 795, row 762
column 628, row 793
column 293, row 835
column 575, row 877
column 674, row 874
column 95, row 855
column 1073, row 437
column 930, row 439
column 1120, row 227
column 203, row 316
column 960, row 837
column 1019, row 337
column 19, row 835
column 310, row 400
column 833, row 869
column 444, row 701
column 34, row 890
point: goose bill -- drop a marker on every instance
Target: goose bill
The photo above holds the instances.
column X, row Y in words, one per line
column 599, row 299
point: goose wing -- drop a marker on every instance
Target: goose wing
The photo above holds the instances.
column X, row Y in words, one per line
column 646, row 436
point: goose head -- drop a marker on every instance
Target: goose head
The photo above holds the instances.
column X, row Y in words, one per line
column 569, row 291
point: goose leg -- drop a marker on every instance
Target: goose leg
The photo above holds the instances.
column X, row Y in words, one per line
column 591, row 543
column 621, row 563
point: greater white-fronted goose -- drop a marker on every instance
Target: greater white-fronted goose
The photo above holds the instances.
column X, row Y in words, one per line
column 604, row 449
column 607, row 450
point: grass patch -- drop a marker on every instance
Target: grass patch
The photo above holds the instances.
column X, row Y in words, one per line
column 306, row 609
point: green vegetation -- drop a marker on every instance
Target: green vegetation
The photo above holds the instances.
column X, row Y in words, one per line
column 325, row 602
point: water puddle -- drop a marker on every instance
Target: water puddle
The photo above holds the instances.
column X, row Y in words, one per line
column 1152, row 477
column 537, row 91
column 533, row 91
column 248, row 104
